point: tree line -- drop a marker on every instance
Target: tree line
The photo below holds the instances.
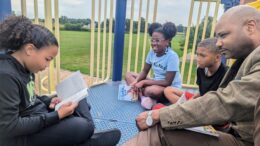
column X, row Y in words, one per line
column 84, row 24
column 74, row 24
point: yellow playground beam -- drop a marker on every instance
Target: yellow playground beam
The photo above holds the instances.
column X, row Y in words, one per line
column 138, row 35
column 145, row 31
column 184, row 56
column 194, row 43
column 57, row 34
column 23, row 8
column 109, row 62
column 48, row 24
column 255, row 4
column 130, row 36
column 104, row 40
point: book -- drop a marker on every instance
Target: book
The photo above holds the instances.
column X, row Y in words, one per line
column 208, row 130
column 126, row 93
column 73, row 88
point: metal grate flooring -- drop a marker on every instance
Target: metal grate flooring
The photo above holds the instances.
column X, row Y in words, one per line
column 109, row 112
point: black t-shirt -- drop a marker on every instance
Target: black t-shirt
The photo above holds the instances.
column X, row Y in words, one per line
column 210, row 83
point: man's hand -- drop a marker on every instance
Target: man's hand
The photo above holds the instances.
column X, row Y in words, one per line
column 54, row 102
column 67, row 109
column 141, row 119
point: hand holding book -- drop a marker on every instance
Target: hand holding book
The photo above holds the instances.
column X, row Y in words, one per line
column 72, row 89
column 67, row 109
column 54, row 102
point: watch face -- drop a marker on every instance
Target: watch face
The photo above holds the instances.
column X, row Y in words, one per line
column 149, row 121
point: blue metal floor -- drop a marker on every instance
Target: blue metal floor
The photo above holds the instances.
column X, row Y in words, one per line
column 109, row 112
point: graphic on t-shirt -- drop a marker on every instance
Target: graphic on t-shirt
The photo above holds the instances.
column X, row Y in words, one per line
column 30, row 88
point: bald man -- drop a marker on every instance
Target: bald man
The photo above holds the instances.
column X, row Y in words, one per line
column 238, row 35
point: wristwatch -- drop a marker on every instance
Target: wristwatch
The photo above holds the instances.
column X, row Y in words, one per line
column 149, row 119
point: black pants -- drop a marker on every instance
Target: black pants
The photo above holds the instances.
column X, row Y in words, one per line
column 70, row 131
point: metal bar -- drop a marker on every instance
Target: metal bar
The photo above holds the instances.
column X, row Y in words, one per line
column 206, row 21
column 184, row 56
column 23, row 8
column 104, row 40
column 215, row 18
column 145, row 31
column 194, row 43
column 155, row 10
column 110, row 40
column 98, row 39
column 57, row 34
column 138, row 35
column 36, row 12
column 130, row 36
column 204, row 29
column 48, row 24
column 119, row 40
column 92, row 41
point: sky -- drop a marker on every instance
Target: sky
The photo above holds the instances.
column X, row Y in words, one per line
column 176, row 11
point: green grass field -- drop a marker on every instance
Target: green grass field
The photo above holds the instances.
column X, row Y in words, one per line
column 75, row 51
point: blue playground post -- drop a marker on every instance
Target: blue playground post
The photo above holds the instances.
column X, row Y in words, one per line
column 119, row 40
column 5, row 9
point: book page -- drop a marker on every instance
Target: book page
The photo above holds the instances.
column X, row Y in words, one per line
column 208, row 130
column 124, row 93
column 73, row 88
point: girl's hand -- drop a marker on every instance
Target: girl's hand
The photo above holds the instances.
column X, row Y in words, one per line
column 133, row 83
column 67, row 109
column 54, row 102
column 139, row 85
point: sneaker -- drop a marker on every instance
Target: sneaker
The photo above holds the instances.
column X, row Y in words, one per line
column 147, row 102
column 108, row 137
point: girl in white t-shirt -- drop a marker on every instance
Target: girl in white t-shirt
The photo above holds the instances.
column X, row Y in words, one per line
column 164, row 63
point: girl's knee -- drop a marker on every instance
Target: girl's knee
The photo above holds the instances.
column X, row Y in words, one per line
column 151, row 91
column 168, row 90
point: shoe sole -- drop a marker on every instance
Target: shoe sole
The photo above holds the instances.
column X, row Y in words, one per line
column 105, row 138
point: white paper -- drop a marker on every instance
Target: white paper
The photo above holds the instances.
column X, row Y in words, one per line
column 126, row 93
column 73, row 88
column 182, row 99
column 208, row 130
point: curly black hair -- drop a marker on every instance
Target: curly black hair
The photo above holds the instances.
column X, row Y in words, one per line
column 153, row 27
column 16, row 31
column 168, row 30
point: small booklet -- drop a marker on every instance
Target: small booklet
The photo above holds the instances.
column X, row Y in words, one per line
column 126, row 93
column 208, row 130
column 73, row 88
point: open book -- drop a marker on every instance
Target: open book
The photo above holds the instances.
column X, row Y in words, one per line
column 208, row 130
column 73, row 89
column 126, row 93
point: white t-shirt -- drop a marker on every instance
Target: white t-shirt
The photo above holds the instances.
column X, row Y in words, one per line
column 167, row 62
